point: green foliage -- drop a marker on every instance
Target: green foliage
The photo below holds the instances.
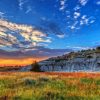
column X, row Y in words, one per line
column 87, row 80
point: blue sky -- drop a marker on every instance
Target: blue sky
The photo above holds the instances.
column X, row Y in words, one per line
column 39, row 27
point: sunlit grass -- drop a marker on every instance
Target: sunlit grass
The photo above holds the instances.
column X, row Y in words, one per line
column 49, row 86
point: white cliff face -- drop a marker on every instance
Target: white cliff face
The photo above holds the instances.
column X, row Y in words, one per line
column 75, row 64
column 25, row 69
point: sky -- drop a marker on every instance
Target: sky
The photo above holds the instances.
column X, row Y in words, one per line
column 46, row 28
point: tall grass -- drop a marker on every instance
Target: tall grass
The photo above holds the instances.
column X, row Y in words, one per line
column 30, row 86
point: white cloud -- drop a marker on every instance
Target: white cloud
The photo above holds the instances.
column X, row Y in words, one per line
column 92, row 21
column 2, row 34
column 76, row 15
column 61, row 36
column 7, row 39
column 62, row 8
column 83, row 2
column 48, row 41
column 62, row 3
column 21, row 4
column 85, row 20
column 74, row 26
column 84, row 16
column 98, row 2
column 77, row 8
column 29, row 33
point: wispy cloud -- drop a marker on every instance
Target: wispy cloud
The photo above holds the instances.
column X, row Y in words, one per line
column 98, row 2
column 85, row 20
column 83, row 2
column 76, row 15
column 62, row 4
column 24, row 6
column 75, row 18
column 77, row 7
column 2, row 14
column 77, row 47
column 28, row 9
column 61, row 36
column 21, row 4
column 35, row 52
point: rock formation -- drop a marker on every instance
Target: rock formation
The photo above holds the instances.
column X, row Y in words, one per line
column 85, row 60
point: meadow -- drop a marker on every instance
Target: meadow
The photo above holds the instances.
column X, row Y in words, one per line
column 49, row 86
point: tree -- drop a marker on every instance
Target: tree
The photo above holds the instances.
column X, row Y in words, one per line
column 35, row 67
column 98, row 48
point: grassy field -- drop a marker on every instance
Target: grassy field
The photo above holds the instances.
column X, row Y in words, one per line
column 49, row 86
column 9, row 69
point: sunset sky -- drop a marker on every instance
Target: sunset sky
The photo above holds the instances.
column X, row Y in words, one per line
column 46, row 28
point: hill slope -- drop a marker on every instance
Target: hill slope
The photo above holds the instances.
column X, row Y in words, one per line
column 85, row 60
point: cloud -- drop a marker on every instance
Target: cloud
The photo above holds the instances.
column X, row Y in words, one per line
column 80, row 20
column 92, row 21
column 77, row 8
column 83, row 2
column 98, row 2
column 35, row 52
column 28, row 41
column 21, row 4
column 76, row 15
column 28, row 9
column 61, row 36
column 17, row 35
column 85, row 20
column 24, row 6
column 74, row 26
column 50, row 27
column 2, row 15
column 62, row 4
column 77, row 47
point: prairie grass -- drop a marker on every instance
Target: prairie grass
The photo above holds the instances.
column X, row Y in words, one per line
column 49, row 86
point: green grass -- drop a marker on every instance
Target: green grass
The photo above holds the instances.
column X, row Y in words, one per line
column 48, row 88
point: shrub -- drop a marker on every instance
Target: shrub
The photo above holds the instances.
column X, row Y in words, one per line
column 29, row 82
column 35, row 67
column 98, row 48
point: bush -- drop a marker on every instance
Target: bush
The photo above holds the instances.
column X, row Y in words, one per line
column 98, row 48
column 35, row 67
column 30, row 82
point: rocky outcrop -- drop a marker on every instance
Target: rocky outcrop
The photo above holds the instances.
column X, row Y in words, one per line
column 87, row 60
